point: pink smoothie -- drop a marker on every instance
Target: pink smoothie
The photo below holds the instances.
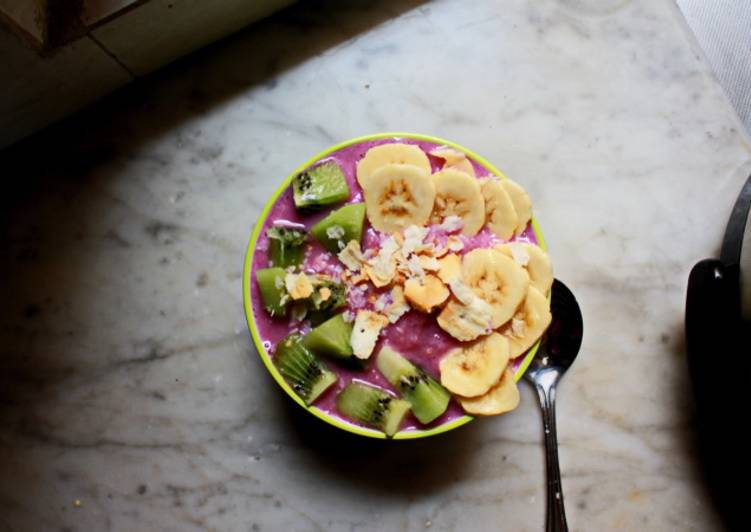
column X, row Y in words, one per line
column 416, row 335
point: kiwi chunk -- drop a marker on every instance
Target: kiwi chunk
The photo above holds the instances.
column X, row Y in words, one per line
column 341, row 226
column 286, row 246
column 428, row 398
column 321, row 185
column 331, row 338
column 319, row 308
column 308, row 376
column 273, row 293
column 372, row 406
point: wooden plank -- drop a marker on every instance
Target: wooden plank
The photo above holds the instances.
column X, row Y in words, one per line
column 159, row 31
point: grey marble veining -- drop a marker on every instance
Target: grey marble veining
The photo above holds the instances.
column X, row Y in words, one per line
column 131, row 397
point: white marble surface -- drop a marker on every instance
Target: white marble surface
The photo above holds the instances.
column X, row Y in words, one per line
column 128, row 381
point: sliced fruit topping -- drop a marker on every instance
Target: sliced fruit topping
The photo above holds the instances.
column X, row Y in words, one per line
column 298, row 285
column 501, row 398
column 499, row 209
column 394, row 153
column 372, row 406
column 397, row 196
column 367, row 328
column 428, row 398
column 425, row 293
column 342, row 226
column 328, row 296
column 496, row 279
column 472, row 370
column 331, row 338
column 286, row 246
column 321, row 185
column 521, row 201
column 458, row 194
column 449, row 267
column 466, row 316
column 454, row 159
column 529, row 323
column 307, row 375
column 273, row 293
column 534, row 260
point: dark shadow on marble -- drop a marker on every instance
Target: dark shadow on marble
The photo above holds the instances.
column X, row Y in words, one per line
column 48, row 214
column 399, row 468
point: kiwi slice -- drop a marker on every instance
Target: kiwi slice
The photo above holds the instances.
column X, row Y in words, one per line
column 428, row 398
column 372, row 406
column 273, row 293
column 331, row 338
column 286, row 246
column 341, row 226
column 307, row 375
column 321, row 185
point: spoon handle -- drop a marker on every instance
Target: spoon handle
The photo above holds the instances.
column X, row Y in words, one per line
column 556, row 514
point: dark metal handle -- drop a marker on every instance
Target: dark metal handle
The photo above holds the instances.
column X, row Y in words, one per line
column 732, row 242
column 556, row 514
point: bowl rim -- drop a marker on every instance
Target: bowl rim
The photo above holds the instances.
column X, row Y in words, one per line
column 248, row 302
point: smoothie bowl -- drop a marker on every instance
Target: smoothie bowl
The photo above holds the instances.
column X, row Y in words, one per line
column 397, row 285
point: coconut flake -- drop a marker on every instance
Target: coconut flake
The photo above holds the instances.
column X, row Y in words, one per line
column 413, row 237
column 451, row 224
column 351, row 256
column 365, row 332
column 398, row 306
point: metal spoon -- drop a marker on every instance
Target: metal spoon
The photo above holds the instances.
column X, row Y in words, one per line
column 557, row 352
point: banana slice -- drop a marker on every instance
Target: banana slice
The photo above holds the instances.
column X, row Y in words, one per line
column 458, row 194
column 496, row 279
column 535, row 261
column 454, row 159
column 463, row 166
column 529, row 323
column 472, row 370
column 449, row 267
column 521, row 201
column 397, row 196
column 499, row 209
column 394, row 153
column 450, row 156
column 501, row 398
column 425, row 293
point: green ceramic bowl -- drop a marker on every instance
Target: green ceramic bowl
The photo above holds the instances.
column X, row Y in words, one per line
column 248, row 286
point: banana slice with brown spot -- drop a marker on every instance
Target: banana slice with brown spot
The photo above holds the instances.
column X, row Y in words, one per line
column 499, row 209
column 528, row 324
column 472, row 370
column 496, row 279
column 501, row 398
column 458, row 194
column 425, row 293
column 397, row 196
column 392, row 153
column 521, row 201
column 534, row 259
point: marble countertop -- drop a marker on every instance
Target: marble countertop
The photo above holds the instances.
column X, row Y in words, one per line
column 131, row 397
